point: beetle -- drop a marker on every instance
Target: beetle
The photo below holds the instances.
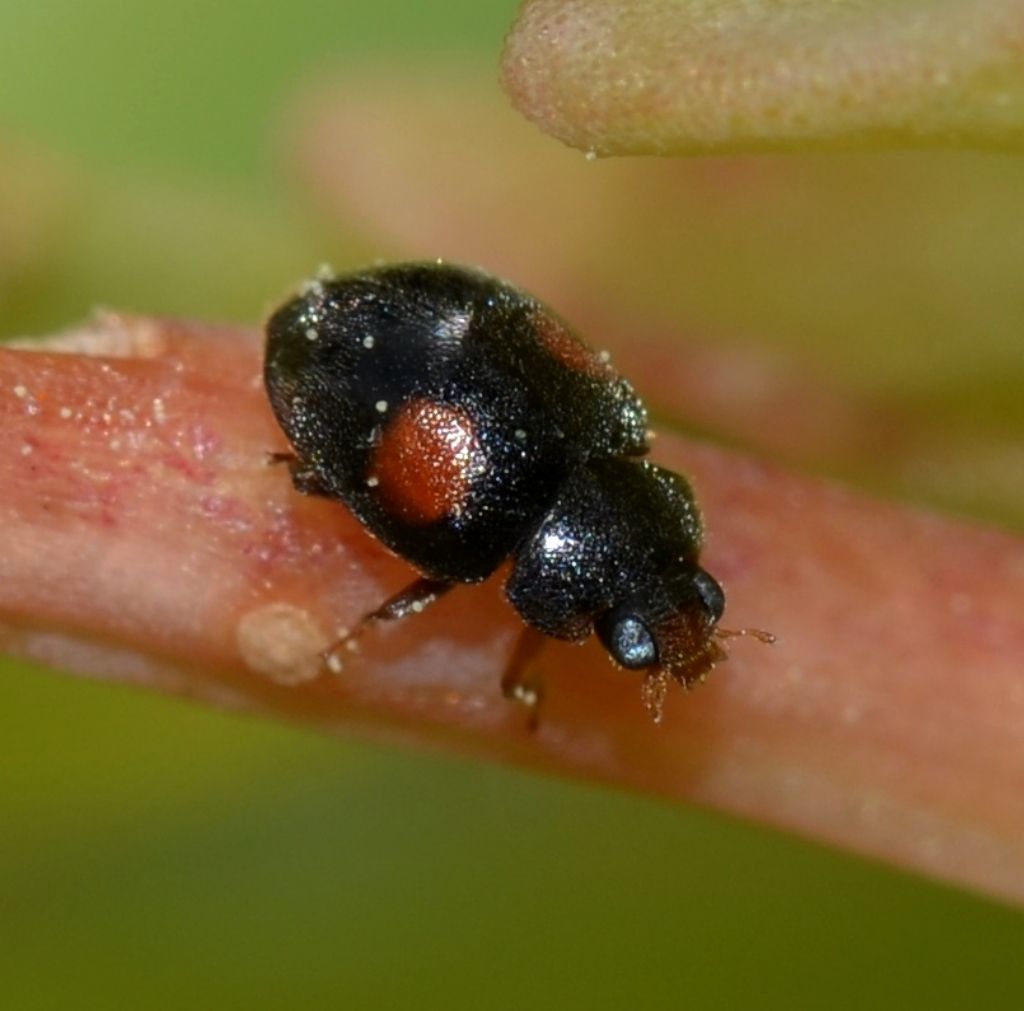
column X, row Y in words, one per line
column 464, row 423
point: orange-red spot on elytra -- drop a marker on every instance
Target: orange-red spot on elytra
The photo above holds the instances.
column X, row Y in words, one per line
column 562, row 344
column 427, row 459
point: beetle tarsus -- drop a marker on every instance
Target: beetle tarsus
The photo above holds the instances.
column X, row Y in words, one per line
column 521, row 682
column 415, row 597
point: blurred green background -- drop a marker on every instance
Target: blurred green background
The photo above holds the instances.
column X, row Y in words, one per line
column 160, row 856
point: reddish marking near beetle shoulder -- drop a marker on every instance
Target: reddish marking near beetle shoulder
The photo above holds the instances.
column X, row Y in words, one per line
column 426, row 461
column 564, row 346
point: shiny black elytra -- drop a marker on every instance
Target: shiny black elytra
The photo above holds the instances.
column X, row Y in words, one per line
column 465, row 424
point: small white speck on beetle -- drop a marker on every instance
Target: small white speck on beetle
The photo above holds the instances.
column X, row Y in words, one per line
column 368, row 342
column 26, row 450
column 65, row 413
column 372, row 482
column 417, row 606
column 604, row 357
column 520, row 435
column 591, row 155
column 159, row 411
column 334, row 663
column 382, row 406
column 312, row 334
column 20, row 392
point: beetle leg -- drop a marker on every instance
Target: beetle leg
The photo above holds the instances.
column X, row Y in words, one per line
column 303, row 478
column 276, row 456
column 411, row 600
column 520, row 682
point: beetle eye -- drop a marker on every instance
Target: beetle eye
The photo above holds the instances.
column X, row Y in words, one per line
column 710, row 594
column 628, row 640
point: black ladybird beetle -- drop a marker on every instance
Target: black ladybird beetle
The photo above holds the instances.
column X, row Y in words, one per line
column 464, row 423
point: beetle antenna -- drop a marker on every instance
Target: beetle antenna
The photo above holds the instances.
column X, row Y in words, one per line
column 734, row 633
column 653, row 692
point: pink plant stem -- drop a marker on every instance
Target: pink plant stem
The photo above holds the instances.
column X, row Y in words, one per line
column 145, row 538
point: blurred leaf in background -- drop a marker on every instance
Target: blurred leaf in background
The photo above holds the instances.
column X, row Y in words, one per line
column 161, row 159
